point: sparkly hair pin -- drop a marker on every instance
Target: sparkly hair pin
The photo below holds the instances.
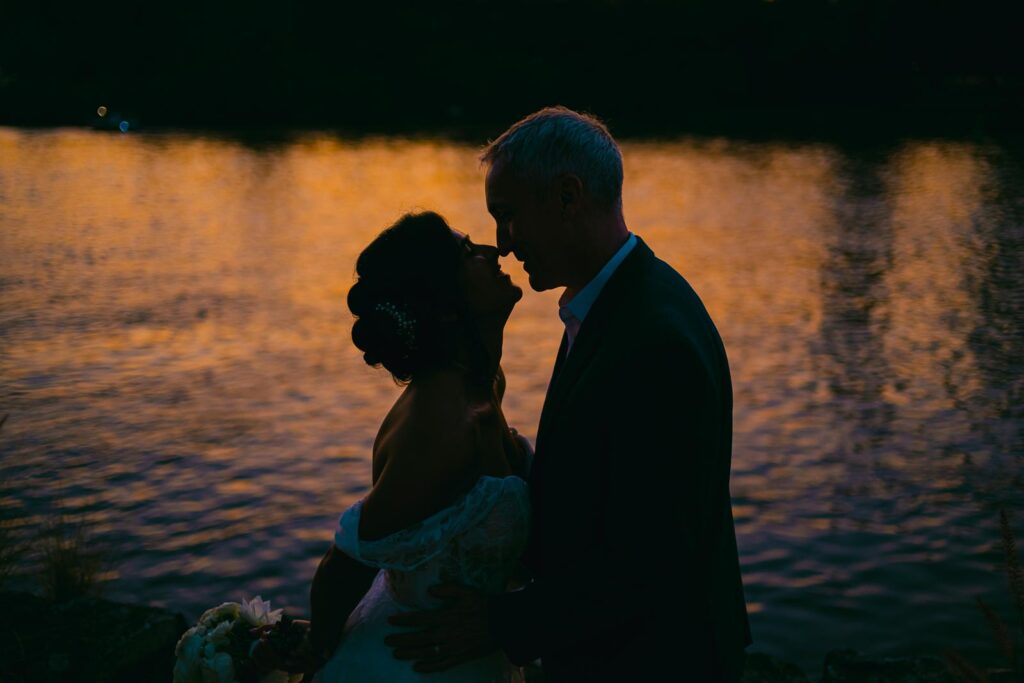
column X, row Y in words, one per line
column 403, row 320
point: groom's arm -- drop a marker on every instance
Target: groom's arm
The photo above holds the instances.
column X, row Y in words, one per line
column 663, row 489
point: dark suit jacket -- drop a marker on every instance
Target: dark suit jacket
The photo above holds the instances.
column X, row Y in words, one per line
column 632, row 548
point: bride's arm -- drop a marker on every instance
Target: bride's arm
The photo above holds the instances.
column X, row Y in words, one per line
column 518, row 452
column 339, row 584
column 499, row 385
column 518, row 449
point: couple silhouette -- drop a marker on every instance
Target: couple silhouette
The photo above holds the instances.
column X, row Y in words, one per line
column 609, row 553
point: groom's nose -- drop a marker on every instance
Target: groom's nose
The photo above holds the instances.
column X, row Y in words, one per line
column 504, row 241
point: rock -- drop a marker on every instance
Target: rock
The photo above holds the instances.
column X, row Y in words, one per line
column 762, row 668
column 848, row 666
column 85, row 639
column 1002, row 676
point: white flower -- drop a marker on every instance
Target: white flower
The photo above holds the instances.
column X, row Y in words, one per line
column 209, row 675
column 219, row 635
column 258, row 613
column 188, row 637
column 224, row 667
column 222, row 612
column 188, row 651
column 187, row 671
column 198, row 651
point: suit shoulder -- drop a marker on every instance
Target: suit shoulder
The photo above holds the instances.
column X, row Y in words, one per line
column 667, row 301
column 671, row 318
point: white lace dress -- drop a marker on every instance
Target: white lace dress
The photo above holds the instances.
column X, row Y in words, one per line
column 477, row 542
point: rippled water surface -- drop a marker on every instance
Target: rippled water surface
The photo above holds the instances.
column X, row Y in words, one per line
column 176, row 365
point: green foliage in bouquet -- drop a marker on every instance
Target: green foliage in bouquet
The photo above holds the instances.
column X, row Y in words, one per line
column 1008, row 641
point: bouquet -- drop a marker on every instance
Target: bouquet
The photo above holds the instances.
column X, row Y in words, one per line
column 219, row 649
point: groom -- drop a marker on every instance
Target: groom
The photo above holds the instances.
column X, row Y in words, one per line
column 635, row 572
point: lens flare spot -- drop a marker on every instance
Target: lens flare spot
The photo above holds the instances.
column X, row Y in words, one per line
column 123, row 126
column 101, row 110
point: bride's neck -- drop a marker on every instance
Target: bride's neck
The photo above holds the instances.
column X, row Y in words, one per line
column 491, row 334
column 479, row 353
column 475, row 361
column 479, row 358
column 475, row 364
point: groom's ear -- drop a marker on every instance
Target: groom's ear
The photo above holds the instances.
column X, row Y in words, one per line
column 570, row 194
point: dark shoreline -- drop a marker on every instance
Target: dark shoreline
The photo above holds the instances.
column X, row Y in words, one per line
column 758, row 69
column 847, row 128
column 93, row 639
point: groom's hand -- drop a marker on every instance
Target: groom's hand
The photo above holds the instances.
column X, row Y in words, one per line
column 448, row 636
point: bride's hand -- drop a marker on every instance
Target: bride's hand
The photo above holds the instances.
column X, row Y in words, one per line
column 264, row 655
column 523, row 458
column 524, row 445
column 298, row 659
column 499, row 384
column 304, row 658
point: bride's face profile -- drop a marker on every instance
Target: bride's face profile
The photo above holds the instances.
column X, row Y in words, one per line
column 488, row 291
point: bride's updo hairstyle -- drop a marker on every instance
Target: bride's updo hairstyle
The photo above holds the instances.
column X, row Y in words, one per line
column 407, row 298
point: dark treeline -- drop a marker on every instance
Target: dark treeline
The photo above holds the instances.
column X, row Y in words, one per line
column 791, row 66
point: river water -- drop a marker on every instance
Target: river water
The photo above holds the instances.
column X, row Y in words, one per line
column 176, row 364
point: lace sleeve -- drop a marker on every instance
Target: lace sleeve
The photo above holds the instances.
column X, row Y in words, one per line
column 418, row 544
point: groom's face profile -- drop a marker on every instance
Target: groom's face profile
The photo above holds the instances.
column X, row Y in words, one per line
column 529, row 226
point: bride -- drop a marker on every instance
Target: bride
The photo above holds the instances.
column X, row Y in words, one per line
column 449, row 503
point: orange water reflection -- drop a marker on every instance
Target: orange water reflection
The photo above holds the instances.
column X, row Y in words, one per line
column 176, row 361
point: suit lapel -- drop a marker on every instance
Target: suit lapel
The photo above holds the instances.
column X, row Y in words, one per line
column 559, row 364
column 563, row 349
column 598, row 323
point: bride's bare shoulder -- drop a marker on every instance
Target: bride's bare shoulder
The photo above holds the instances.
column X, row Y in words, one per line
column 424, row 460
column 425, row 406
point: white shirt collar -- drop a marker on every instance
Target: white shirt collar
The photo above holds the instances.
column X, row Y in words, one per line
column 579, row 306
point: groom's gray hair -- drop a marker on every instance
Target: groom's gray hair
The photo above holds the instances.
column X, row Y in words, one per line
column 555, row 141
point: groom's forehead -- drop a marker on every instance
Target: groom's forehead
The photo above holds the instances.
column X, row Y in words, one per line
column 503, row 186
column 494, row 194
column 493, row 182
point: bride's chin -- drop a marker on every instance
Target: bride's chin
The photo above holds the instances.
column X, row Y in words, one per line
column 510, row 304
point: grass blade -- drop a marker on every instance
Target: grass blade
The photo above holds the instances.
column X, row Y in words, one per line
column 963, row 669
column 1013, row 570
